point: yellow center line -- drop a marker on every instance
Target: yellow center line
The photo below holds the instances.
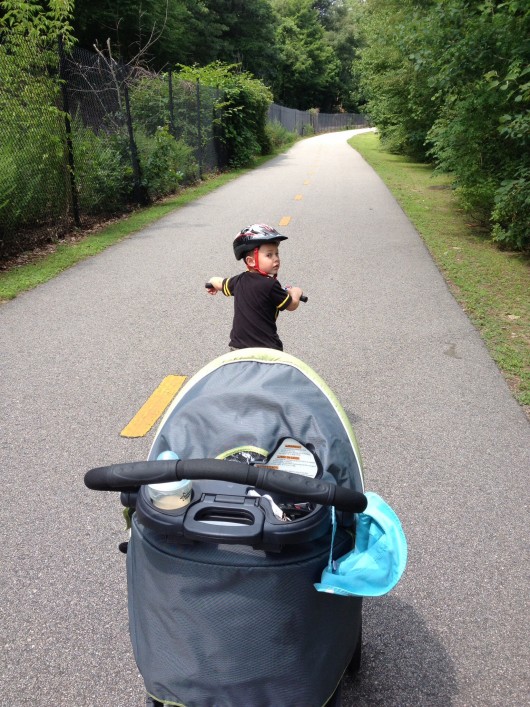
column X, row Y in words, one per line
column 285, row 220
column 298, row 197
column 307, row 181
column 154, row 407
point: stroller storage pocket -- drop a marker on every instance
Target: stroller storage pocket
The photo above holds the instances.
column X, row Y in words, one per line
column 228, row 626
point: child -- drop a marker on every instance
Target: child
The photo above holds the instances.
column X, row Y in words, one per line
column 258, row 296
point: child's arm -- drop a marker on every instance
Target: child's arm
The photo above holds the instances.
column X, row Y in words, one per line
column 216, row 283
column 295, row 293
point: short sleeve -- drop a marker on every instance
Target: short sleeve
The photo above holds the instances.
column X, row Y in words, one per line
column 280, row 297
column 227, row 287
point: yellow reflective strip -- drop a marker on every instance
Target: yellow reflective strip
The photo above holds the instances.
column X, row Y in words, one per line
column 154, row 407
column 226, row 291
column 284, row 301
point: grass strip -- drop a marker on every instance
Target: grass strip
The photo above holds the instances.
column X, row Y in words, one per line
column 491, row 285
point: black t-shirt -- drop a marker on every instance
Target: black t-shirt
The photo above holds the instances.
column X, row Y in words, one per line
column 257, row 301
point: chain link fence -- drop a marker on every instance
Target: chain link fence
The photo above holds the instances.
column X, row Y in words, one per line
column 83, row 136
column 310, row 122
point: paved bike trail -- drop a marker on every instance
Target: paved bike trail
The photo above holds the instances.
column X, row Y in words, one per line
column 442, row 438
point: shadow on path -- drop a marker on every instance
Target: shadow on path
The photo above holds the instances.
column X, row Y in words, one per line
column 403, row 663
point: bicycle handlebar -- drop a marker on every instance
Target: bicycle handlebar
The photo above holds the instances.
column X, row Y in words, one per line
column 130, row 476
column 209, row 286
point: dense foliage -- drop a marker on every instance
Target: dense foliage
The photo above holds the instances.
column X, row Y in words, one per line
column 31, row 125
column 242, row 110
column 446, row 81
column 301, row 49
column 132, row 133
column 449, row 80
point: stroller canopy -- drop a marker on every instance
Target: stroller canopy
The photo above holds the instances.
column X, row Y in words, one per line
column 249, row 400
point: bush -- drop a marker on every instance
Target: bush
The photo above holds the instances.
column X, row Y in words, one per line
column 242, row 110
column 511, row 214
column 278, row 136
column 103, row 169
column 165, row 162
column 150, row 103
column 33, row 185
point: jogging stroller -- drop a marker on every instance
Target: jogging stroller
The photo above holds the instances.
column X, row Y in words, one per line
column 223, row 611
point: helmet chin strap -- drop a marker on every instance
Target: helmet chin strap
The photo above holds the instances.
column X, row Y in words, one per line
column 256, row 266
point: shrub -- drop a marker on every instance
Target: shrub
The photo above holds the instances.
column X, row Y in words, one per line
column 150, row 103
column 511, row 214
column 103, row 170
column 165, row 162
column 242, row 110
column 278, row 136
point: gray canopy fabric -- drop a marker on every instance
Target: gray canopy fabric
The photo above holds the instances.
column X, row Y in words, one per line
column 253, row 398
column 216, row 625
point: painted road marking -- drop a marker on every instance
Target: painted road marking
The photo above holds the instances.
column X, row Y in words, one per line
column 154, row 407
column 307, row 181
column 285, row 220
column 298, row 197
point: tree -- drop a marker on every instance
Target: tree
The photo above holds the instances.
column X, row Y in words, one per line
column 235, row 32
column 448, row 80
column 307, row 73
column 341, row 21
column 152, row 32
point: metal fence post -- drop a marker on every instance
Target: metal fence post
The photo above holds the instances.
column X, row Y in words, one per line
column 199, row 130
column 139, row 191
column 171, row 107
column 68, row 129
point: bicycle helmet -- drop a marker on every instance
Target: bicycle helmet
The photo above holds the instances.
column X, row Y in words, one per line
column 253, row 236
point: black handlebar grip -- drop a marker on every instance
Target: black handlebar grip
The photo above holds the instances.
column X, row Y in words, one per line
column 348, row 500
column 126, row 477
column 123, row 477
column 304, row 488
column 209, row 286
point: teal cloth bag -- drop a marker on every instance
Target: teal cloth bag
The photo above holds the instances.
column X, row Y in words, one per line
column 379, row 557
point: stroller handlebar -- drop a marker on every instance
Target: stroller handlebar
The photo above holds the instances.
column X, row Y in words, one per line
column 130, row 476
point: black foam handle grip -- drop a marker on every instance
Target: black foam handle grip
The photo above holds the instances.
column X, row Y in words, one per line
column 126, row 477
column 121, row 477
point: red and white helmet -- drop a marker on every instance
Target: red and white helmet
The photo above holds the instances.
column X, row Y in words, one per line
column 253, row 236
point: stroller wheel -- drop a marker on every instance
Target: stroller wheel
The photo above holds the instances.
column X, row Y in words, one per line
column 355, row 662
column 335, row 699
column 151, row 702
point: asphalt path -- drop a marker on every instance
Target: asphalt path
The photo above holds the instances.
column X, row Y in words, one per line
column 443, row 441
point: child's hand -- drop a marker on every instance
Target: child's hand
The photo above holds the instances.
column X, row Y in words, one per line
column 295, row 292
column 213, row 285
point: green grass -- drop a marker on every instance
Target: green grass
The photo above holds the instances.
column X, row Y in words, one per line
column 492, row 286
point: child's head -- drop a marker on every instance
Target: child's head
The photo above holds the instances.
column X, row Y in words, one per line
column 257, row 246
